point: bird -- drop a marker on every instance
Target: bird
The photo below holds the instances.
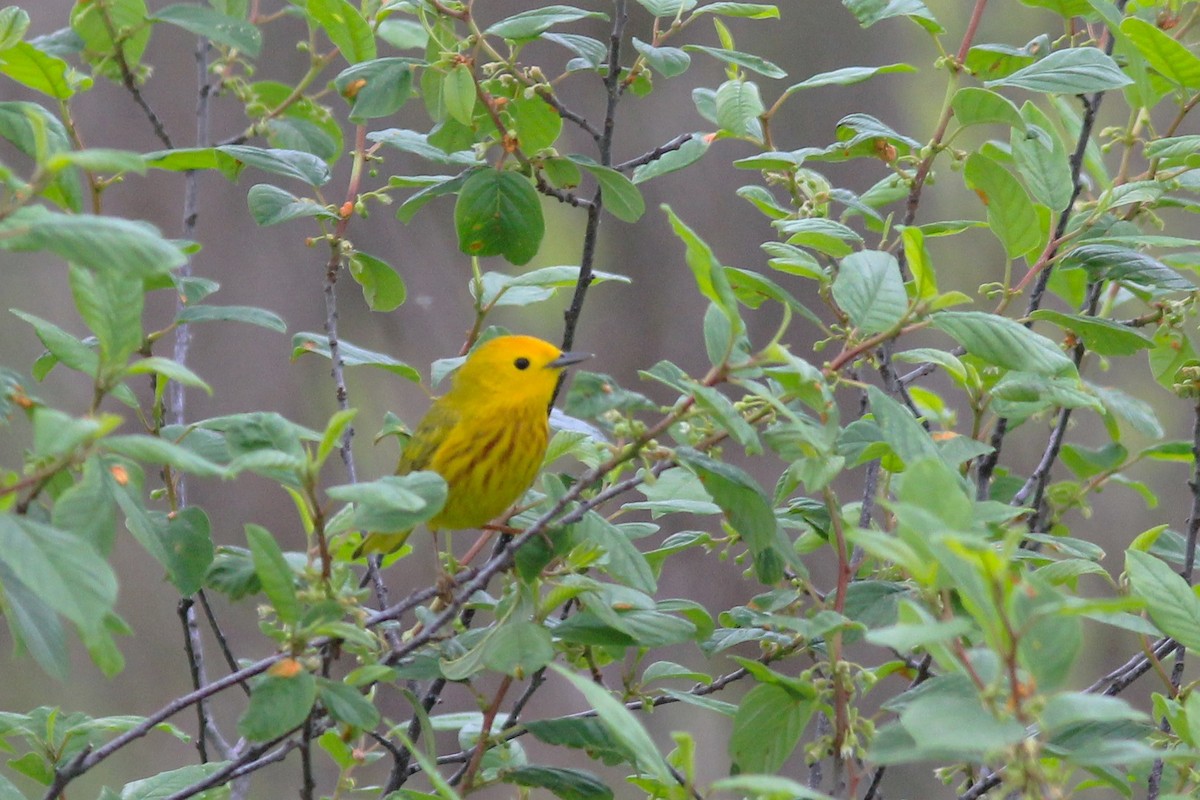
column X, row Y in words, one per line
column 487, row 436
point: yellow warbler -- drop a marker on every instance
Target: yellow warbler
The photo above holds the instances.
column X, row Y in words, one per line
column 486, row 436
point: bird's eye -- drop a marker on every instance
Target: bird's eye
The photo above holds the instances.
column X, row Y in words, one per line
column 521, row 363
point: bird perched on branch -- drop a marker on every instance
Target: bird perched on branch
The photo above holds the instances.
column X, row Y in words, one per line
column 486, row 436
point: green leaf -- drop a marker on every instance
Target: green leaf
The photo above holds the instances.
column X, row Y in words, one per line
column 14, row 21
column 847, row 76
column 154, row 450
column 868, row 12
column 824, row 235
column 531, row 24
column 290, row 163
column 869, row 288
column 34, row 627
column 60, row 569
column 110, row 302
column 99, row 243
column 623, row 726
column 1166, row 56
column 1003, row 342
column 688, row 153
column 498, row 213
column 62, row 346
column 707, row 270
column 743, row 10
column 535, row 122
column 119, row 25
column 767, row 787
column 166, row 784
column 569, row 784
column 382, row 286
column 87, row 508
column 745, row 505
column 586, row 733
column 1011, row 216
column 975, row 106
column 394, row 503
column 738, row 108
column 345, row 27
column 38, row 70
column 377, row 88
column 745, row 60
column 621, row 197
column 99, row 159
column 347, row 705
column 351, row 355
column 1077, row 70
column 277, row 579
column 1107, row 262
column 278, row 704
column 1042, row 160
column 212, row 24
column 901, row 430
column 1102, row 336
column 666, row 61
column 499, row 289
column 1170, row 601
column 458, row 93
column 518, row 648
column 247, row 314
column 270, row 205
column 767, row 728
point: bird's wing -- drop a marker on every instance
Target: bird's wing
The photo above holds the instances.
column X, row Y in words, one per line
column 430, row 434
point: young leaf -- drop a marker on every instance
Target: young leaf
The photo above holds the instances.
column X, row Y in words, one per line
column 382, row 286
column 279, row 702
column 278, row 581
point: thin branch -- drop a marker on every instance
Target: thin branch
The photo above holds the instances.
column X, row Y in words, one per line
column 222, row 642
column 612, row 85
column 547, row 94
column 561, row 195
column 88, row 758
column 128, row 79
column 250, row 761
column 655, row 154
column 308, row 786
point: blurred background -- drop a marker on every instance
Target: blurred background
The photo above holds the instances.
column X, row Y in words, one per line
column 628, row 327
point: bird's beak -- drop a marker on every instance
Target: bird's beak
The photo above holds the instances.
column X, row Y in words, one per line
column 567, row 359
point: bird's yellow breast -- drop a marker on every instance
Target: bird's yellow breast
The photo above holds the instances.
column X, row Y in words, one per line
column 488, row 462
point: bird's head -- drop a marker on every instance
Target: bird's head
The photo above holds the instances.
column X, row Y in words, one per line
column 519, row 369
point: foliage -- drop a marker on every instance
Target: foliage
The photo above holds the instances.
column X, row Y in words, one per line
column 956, row 571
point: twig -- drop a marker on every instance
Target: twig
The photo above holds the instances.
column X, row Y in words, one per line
column 655, row 154
column 222, row 642
column 308, row 786
column 128, row 80
column 544, row 92
column 604, row 143
column 250, row 761
column 935, row 144
column 1036, row 484
column 88, row 758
